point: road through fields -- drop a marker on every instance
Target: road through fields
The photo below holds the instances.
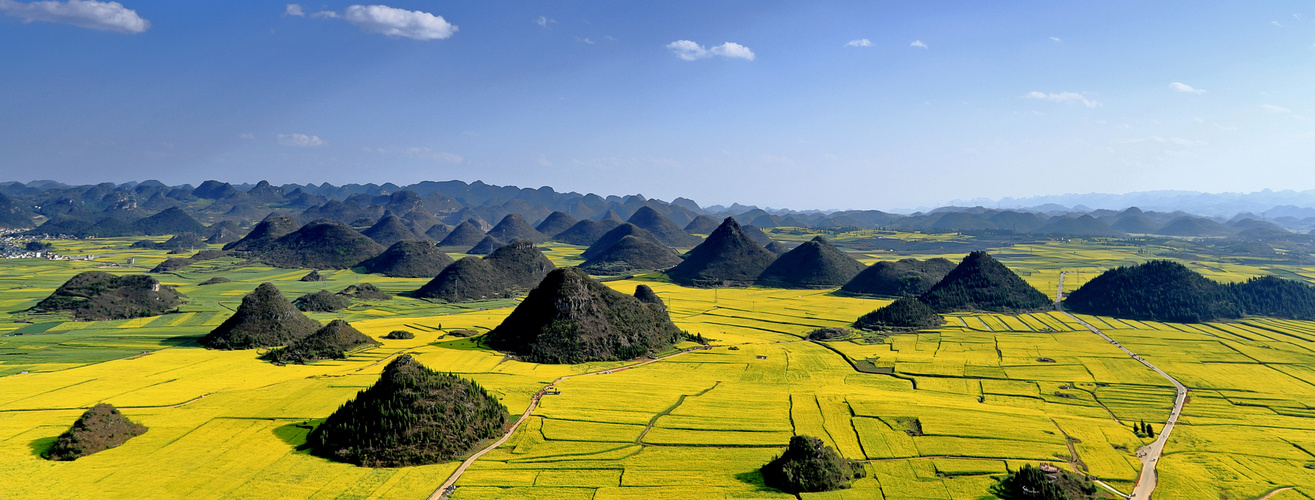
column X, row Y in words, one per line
column 444, row 490
column 1149, row 454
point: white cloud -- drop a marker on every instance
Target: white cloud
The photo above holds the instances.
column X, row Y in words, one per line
column 246, row 135
column 294, row 10
column 542, row 160
column 918, row 44
column 687, row 50
column 1276, row 23
column 106, row 16
column 544, row 21
column 1275, row 109
column 1182, row 87
column 584, row 40
column 1062, row 97
column 394, row 22
column 732, row 49
column 691, row 51
column 325, row 14
column 1056, row 39
column 300, row 140
column 862, row 42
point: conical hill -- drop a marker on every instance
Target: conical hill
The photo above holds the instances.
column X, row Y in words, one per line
column 268, row 230
column 981, row 283
column 572, row 318
column 485, row 246
column 1158, row 290
column 666, row 232
column 631, row 253
column 333, row 341
column 701, row 225
column 466, row 234
column 438, row 231
column 611, row 237
column 513, row 227
column 323, row 244
column 777, row 247
column 101, row 296
column 509, row 271
column 412, row 416
column 99, row 428
column 814, row 264
column 1135, row 224
column 554, row 223
column 757, row 235
column 265, row 319
column 902, row 277
column 408, row 259
column 727, row 258
column 586, row 232
column 390, row 229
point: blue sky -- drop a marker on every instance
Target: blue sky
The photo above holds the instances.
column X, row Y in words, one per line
column 800, row 104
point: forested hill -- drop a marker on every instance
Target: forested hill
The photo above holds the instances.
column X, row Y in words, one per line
column 1162, row 290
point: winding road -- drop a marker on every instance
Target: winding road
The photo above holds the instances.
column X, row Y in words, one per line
column 1149, row 454
column 446, row 488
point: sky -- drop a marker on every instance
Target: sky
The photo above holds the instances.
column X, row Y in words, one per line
column 803, row 105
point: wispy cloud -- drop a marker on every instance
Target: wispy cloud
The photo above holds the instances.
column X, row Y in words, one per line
column 300, row 140
column 584, row 40
column 690, row 51
column 544, row 21
column 294, row 10
column 1274, row 109
column 1056, row 39
column 1062, row 97
column 393, row 22
column 862, row 42
column 105, row 16
column 1183, row 87
column 918, row 44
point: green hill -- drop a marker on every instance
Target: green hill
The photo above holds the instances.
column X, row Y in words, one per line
column 981, row 283
column 388, row 230
column 514, row 227
column 902, row 277
column 809, row 465
column 610, row 238
column 168, row 221
column 101, row 296
column 701, row 224
column 906, row 313
column 631, row 253
column 727, row 258
column 99, row 428
column 333, row 341
column 814, row 264
column 586, row 232
column 666, row 232
column 268, row 230
column 485, row 246
column 1158, row 290
column 321, row 301
column 323, row 244
column 554, row 223
column 265, row 319
column 507, row 272
column 466, row 234
column 572, row 318
column 408, row 259
column 411, row 416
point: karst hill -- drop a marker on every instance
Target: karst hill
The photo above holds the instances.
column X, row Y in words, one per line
column 411, row 416
column 572, row 318
column 265, row 319
column 727, row 258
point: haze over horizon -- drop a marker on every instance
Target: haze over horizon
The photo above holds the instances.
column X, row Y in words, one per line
column 843, row 105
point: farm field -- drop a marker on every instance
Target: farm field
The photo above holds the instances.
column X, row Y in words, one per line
column 934, row 414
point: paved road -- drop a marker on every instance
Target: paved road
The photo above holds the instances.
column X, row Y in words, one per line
column 444, row 490
column 1149, row 454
